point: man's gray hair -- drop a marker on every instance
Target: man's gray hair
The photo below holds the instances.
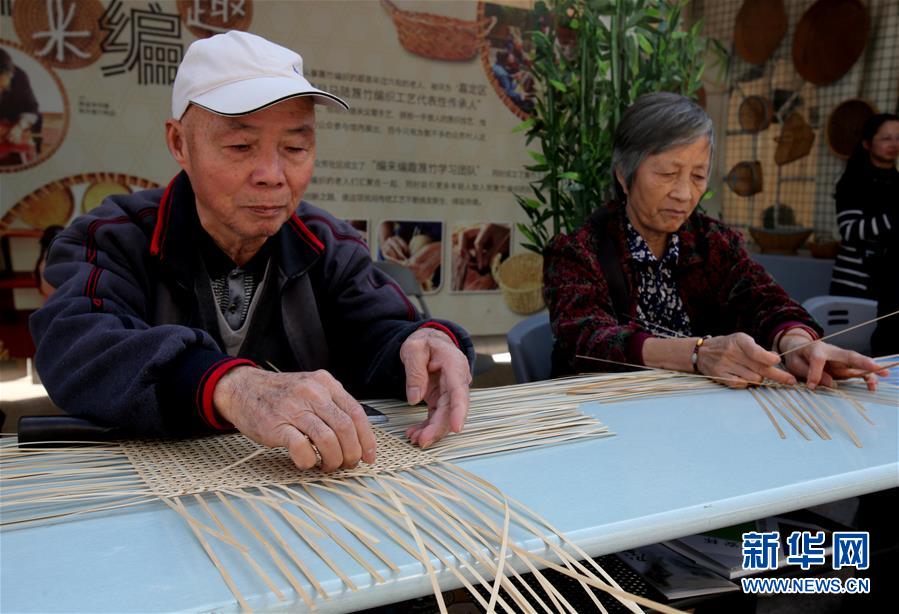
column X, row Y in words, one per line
column 653, row 124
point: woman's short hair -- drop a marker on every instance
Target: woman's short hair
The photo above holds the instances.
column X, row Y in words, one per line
column 653, row 124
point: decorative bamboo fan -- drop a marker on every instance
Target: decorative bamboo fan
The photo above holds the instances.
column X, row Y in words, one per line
column 829, row 39
column 437, row 37
column 795, row 140
column 759, row 28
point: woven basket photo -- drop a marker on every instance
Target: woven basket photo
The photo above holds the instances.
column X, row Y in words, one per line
column 437, row 37
column 520, row 279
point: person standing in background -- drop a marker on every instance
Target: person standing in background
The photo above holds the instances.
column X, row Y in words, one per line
column 867, row 198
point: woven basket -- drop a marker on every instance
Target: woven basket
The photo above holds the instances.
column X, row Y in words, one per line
column 827, row 250
column 520, row 279
column 780, row 240
column 437, row 37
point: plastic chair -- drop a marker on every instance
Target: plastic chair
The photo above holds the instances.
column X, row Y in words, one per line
column 836, row 313
column 405, row 279
column 531, row 346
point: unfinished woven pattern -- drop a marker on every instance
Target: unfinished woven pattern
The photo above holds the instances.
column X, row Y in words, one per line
column 188, row 466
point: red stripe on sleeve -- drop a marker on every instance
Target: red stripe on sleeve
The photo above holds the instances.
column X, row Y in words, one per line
column 207, row 387
column 442, row 329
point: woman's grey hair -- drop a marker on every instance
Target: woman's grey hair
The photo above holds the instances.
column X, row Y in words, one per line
column 653, row 124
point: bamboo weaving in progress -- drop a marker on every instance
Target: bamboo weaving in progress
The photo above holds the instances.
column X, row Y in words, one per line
column 253, row 512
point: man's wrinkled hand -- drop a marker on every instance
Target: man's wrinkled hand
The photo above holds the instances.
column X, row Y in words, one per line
column 438, row 373
column 302, row 412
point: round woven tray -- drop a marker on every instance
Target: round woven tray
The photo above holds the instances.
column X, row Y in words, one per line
column 520, row 279
column 759, row 28
column 844, row 126
column 829, row 39
column 780, row 240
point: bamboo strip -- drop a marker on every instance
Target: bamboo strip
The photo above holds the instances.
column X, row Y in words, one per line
column 196, row 524
column 839, row 332
column 179, row 507
column 784, row 415
column 758, row 399
column 418, row 542
column 359, row 535
column 244, row 551
column 276, row 558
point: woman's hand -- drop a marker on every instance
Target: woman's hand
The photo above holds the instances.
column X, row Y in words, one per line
column 738, row 361
column 822, row 363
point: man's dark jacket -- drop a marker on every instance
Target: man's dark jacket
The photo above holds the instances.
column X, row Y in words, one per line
column 130, row 335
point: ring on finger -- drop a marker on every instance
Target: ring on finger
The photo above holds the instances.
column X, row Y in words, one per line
column 318, row 455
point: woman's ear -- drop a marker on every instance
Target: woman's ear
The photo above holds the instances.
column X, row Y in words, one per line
column 621, row 181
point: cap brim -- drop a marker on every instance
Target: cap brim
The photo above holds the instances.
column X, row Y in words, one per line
column 251, row 95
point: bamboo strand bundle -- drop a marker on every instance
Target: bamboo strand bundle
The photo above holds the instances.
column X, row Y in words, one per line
column 248, row 506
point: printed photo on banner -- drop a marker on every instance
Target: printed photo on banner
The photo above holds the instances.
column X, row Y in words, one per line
column 478, row 248
column 416, row 245
column 56, row 202
column 34, row 114
column 505, row 53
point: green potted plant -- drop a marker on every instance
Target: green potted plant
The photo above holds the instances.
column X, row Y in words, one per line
column 591, row 60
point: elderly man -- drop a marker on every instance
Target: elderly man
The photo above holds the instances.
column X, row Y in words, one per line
column 168, row 302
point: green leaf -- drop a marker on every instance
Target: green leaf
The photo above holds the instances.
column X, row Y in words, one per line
column 525, row 125
column 558, row 85
column 537, row 156
column 645, row 45
column 570, row 175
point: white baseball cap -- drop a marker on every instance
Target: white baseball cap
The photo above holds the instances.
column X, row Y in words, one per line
column 237, row 73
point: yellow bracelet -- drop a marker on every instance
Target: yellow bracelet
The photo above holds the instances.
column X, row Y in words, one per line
column 694, row 357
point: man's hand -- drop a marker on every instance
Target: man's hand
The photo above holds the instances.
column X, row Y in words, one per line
column 738, row 361
column 822, row 363
column 438, row 373
column 297, row 411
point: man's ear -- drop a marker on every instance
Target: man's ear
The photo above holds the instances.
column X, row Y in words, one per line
column 176, row 141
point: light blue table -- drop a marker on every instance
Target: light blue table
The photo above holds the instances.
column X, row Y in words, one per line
column 676, row 466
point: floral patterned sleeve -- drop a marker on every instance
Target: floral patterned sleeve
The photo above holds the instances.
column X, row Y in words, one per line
column 581, row 311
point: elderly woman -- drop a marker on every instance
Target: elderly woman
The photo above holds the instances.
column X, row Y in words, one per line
column 651, row 281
